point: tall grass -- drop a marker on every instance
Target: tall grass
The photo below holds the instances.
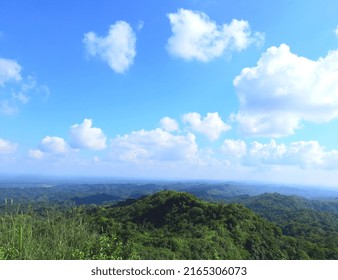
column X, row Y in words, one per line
column 52, row 234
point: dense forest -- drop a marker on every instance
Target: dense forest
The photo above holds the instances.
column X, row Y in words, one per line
column 147, row 221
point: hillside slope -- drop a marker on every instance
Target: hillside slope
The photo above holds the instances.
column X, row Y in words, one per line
column 175, row 225
column 313, row 223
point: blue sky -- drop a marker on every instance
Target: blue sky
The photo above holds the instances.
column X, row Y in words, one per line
column 233, row 90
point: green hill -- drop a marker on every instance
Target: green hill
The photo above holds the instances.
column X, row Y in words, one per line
column 313, row 223
column 171, row 225
column 175, row 225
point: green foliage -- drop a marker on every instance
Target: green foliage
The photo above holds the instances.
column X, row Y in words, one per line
column 170, row 225
column 173, row 225
column 54, row 235
column 308, row 221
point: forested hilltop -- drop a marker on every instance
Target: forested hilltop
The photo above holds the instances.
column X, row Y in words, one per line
column 167, row 224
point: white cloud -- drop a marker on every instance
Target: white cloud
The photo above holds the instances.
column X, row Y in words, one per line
column 169, row 124
column 336, row 31
column 270, row 153
column 196, row 36
column 117, row 48
column 305, row 154
column 153, row 146
column 84, row 136
column 212, row 125
column 284, row 89
column 234, row 149
column 36, row 154
column 266, row 124
column 50, row 147
column 53, row 145
column 16, row 90
column 6, row 147
column 9, row 71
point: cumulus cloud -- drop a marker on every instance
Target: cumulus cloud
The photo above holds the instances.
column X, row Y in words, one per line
column 305, row 154
column 7, row 147
column 9, row 71
column 36, row 154
column 53, row 145
column 308, row 153
column 302, row 153
column 211, row 125
column 234, row 149
column 84, row 136
column 196, row 36
column 169, row 124
column 117, row 48
column 50, row 147
column 153, row 146
column 270, row 153
column 283, row 90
